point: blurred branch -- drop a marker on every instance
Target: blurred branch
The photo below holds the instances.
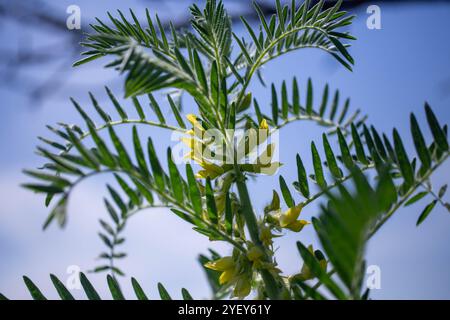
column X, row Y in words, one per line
column 37, row 16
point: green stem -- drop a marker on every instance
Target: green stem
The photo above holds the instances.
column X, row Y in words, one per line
column 270, row 283
column 407, row 195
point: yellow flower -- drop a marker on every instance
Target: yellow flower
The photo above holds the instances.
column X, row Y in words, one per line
column 266, row 236
column 210, row 170
column 254, row 254
column 226, row 265
column 289, row 220
column 263, row 125
column 192, row 118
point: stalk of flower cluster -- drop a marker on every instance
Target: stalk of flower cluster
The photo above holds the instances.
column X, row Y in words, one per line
column 270, row 283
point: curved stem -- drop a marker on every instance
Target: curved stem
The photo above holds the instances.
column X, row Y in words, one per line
column 164, row 195
column 407, row 195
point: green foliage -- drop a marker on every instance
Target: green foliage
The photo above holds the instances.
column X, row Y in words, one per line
column 215, row 67
column 91, row 293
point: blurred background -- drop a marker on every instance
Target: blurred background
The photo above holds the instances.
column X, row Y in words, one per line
column 397, row 69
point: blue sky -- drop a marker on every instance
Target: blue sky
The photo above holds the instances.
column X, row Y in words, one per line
column 397, row 69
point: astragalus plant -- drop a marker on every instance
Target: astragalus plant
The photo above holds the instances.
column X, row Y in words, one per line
column 360, row 182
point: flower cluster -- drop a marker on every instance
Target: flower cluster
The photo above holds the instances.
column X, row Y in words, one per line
column 240, row 269
column 216, row 152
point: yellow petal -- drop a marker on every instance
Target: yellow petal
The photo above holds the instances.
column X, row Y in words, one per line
column 264, row 125
column 290, row 216
column 192, row 118
column 211, row 167
column 221, row 264
column 297, row 226
column 226, row 276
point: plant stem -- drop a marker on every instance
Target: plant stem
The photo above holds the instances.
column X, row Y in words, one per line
column 252, row 225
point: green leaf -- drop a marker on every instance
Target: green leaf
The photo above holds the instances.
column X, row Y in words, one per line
column 302, row 177
column 345, row 151
column 116, row 293
column 88, row 288
column 274, row 105
column 286, row 193
column 442, row 191
column 378, row 143
column 228, row 214
column 84, row 152
column 317, row 164
column 138, row 107
column 214, row 83
column 295, row 97
column 284, row 101
column 257, row 111
column 62, row 290
column 87, row 59
column 140, row 294
column 416, row 198
column 175, row 178
column 309, row 97
column 117, row 199
column 342, row 49
column 134, row 198
column 186, row 295
column 176, row 112
column 163, row 292
column 331, row 159
column 403, row 161
column 439, row 135
column 124, row 158
column 106, row 156
column 324, row 103
column 419, row 143
column 360, row 154
column 83, row 114
column 194, row 192
column 36, row 294
column 40, row 188
column 426, row 212
column 314, row 266
column 211, row 202
column 310, row 291
column 99, row 110
column 156, row 108
column 140, row 157
column 156, row 166
column 123, row 115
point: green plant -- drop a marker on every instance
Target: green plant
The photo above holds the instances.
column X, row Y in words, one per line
column 216, row 200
